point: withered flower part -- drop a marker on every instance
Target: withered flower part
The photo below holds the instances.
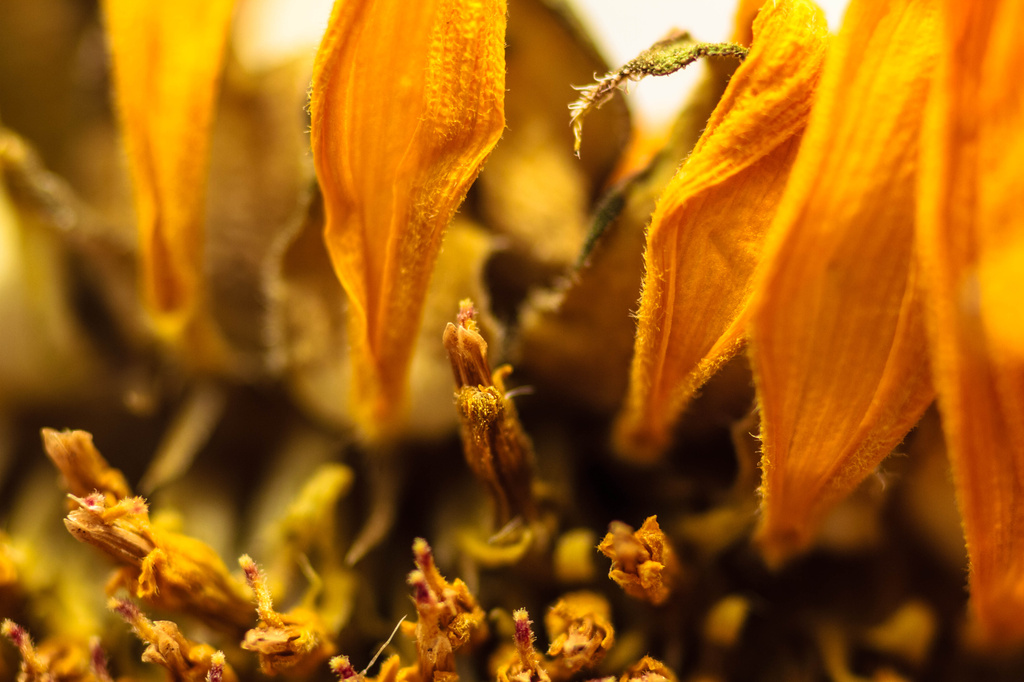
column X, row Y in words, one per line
column 54, row 660
column 98, row 661
column 464, row 622
column 82, row 467
column 293, row 642
column 825, row 429
column 166, row 73
column 401, row 122
column 448, row 616
column 218, row 666
column 185, row 660
column 525, row 664
column 643, row 562
column 670, row 54
column 705, row 239
column 342, row 667
column 648, row 669
column 390, row 671
column 435, row 655
column 493, row 441
column 835, row 221
column 166, row 570
column 581, row 633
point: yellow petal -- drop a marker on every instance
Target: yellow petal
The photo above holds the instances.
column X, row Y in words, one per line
column 837, row 333
column 406, row 105
column 167, row 61
column 708, row 229
column 971, row 230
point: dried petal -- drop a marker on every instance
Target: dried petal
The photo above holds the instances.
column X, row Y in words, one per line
column 406, row 104
column 167, row 61
column 837, row 335
column 708, row 230
column 643, row 562
column 971, row 216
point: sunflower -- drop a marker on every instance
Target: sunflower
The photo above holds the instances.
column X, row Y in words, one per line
column 260, row 329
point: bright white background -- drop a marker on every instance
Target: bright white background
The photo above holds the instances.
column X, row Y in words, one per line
column 624, row 28
column 267, row 31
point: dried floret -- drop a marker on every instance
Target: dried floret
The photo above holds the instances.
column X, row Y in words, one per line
column 581, row 633
column 55, row 660
column 390, row 671
column 493, row 441
column 185, row 660
column 525, row 664
column 448, row 616
column 293, row 642
column 82, row 466
column 648, row 669
column 218, row 668
column 725, row 620
column 643, row 562
column 166, row 570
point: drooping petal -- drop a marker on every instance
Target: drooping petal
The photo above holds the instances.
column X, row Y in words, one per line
column 167, row 60
column 708, row 229
column 837, row 333
column 406, row 105
column 971, row 232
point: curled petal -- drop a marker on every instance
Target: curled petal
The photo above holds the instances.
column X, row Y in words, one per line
column 708, row 229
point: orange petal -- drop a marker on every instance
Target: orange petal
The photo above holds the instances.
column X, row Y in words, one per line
column 971, row 238
column 708, row 228
column 407, row 102
column 837, row 332
column 167, row 61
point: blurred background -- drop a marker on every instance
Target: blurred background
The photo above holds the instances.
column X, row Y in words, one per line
column 621, row 30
